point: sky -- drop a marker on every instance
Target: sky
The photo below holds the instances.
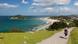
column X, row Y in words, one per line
column 38, row 7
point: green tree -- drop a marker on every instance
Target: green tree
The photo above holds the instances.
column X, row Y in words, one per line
column 76, row 23
column 57, row 25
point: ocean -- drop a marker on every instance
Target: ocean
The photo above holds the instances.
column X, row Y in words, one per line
column 8, row 25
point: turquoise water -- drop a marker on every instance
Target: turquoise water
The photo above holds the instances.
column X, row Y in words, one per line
column 7, row 25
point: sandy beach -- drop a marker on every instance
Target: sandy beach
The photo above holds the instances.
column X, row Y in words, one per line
column 48, row 21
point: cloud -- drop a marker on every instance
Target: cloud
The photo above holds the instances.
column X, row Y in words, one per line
column 41, row 4
column 62, row 2
column 65, row 10
column 6, row 5
column 50, row 2
column 49, row 9
column 24, row 2
column 76, row 4
column 34, row 4
column 68, row 11
column 55, row 11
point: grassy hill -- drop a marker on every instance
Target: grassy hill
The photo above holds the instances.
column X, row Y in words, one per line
column 73, row 37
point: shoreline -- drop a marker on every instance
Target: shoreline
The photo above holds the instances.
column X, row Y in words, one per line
column 48, row 21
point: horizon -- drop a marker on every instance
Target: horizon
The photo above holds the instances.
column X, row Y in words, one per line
column 38, row 7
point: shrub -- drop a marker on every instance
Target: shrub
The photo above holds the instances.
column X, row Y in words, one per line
column 57, row 25
column 76, row 23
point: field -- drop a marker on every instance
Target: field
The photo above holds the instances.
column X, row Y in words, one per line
column 25, row 37
column 73, row 37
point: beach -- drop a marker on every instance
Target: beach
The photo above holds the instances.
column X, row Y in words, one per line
column 48, row 21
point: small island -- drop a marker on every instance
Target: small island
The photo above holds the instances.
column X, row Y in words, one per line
column 17, row 17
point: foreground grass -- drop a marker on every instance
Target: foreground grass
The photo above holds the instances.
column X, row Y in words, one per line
column 73, row 37
column 28, row 37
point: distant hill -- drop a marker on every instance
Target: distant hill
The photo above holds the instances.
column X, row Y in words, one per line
column 65, row 17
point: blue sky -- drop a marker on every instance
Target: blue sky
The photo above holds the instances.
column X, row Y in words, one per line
column 38, row 7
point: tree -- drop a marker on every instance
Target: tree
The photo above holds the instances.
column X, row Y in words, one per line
column 76, row 23
column 57, row 25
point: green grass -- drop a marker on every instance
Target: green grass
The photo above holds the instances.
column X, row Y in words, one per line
column 30, row 38
column 73, row 37
column 12, row 38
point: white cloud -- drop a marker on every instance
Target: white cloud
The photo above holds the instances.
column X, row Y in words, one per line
column 68, row 11
column 65, row 9
column 35, row 4
column 24, row 2
column 62, row 2
column 47, row 4
column 76, row 4
column 49, row 9
column 50, row 2
column 50, row 6
column 6, row 5
column 42, row 2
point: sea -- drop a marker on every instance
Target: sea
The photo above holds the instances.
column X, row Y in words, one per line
column 8, row 25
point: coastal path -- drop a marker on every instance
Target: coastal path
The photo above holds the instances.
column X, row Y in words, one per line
column 57, row 38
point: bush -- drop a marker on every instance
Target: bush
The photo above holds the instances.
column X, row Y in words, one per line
column 57, row 25
column 76, row 23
